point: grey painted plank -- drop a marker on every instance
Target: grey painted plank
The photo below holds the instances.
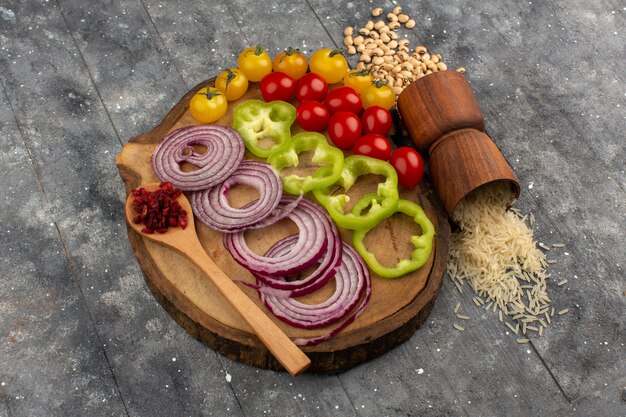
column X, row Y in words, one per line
column 608, row 401
column 73, row 145
column 51, row 360
column 133, row 73
column 210, row 42
column 277, row 25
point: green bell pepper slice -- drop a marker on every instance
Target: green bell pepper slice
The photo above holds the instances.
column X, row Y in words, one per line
column 329, row 157
column 381, row 205
column 423, row 244
column 256, row 120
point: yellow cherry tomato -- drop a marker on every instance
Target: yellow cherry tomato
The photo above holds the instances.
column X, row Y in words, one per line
column 330, row 64
column 207, row 105
column 233, row 83
column 378, row 93
column 358, row 79
column 255, row 63
column 292, row 62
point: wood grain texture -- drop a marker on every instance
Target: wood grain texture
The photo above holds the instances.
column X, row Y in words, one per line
column 380, row 327
column 549, row 80
column 431, row 107
column 463, row 161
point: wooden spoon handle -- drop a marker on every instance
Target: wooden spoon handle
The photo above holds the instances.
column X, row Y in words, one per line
column 277, row 342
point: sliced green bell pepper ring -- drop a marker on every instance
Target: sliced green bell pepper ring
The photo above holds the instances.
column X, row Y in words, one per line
column 329, row 157
column 256, row 120
column 423, row 243
column 381, row 206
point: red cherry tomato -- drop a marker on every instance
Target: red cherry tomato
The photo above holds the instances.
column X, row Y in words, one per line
column 343, row 99
column 312, row 116
column 373, row 145
column 409, row 165
column 344, row 129
column 311, row 87
column 277, row 86
column 376, row 119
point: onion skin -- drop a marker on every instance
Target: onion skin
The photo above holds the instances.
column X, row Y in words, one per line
column 224, row 153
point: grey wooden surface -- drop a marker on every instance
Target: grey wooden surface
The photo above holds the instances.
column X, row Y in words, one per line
column 80, row 334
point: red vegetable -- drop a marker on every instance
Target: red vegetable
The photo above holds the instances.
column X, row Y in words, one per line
column 311, row 87
column 352, row 293
column 409, row 165
column 159, row 209
column 343, row 99
column 344, row 129
column 315, row 230
column 373, row 145
column 376, row 119
column 277, row 86
column 212, row 208
column 312, row 116
column 223, row 152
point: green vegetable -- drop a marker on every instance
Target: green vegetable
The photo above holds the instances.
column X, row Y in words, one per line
column 381, row 204
column 256, row 120
column 423, row 244
column 329, row 157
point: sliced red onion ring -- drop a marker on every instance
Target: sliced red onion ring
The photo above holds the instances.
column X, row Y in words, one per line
column 353, row 288
column 325, row 270
column 315, row 231
column 212, row 208
column 224, row 152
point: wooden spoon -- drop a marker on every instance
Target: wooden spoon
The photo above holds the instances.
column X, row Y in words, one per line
column 186, row 242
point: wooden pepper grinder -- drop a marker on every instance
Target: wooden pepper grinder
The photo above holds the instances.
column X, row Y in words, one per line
column 444, row 121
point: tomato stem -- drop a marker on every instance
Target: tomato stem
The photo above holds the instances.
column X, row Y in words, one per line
column 379, row 83
column 288, row 52
column 258, row 50
column 334, row 52
column 360, row 73
column 230, row 75
column 209, row 93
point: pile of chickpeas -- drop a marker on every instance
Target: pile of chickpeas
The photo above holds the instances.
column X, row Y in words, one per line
column 387, row 57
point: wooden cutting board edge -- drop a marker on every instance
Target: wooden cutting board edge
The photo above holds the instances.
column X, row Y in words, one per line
column 336, row 355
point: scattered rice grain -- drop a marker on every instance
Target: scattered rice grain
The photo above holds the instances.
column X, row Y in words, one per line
column 551, row 261
column 522, row 341
column 558, row 245
column 513, row 329
column 543, row 246
column 456, row 308
column 562, row 283
column 459, row 328
column 565, row 310
column 462, row 317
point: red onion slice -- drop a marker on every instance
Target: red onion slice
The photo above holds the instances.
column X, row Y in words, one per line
column 224, row 152
column 353, row 289
column 212, row 208
column 315, row 227
column 325, row 270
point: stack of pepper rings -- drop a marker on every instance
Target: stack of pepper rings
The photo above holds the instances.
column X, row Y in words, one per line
column 255, row 120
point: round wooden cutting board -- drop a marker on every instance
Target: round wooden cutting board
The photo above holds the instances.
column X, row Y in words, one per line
column 397, row 306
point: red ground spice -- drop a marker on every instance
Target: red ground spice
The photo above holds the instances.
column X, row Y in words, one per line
column 158, row 209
